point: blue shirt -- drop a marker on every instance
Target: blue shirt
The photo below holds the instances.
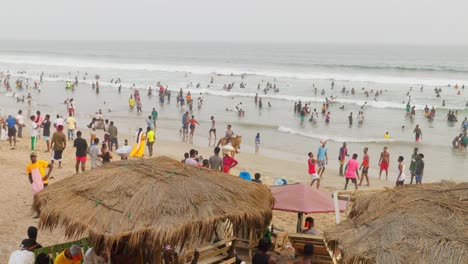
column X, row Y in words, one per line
column 322, row 151
column 154, row 114
column 11, row 122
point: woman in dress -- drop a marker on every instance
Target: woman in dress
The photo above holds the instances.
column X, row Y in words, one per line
column 139, row 147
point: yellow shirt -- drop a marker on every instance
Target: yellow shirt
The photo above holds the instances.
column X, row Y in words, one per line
column 386, row 136
column 40, row 165
column 150, row 136
column 131, row 102
column 61, row 259
column 71, row 122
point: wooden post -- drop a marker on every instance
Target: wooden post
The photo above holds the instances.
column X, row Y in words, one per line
column 157, row 255
column 300, row 216
column 250, row 241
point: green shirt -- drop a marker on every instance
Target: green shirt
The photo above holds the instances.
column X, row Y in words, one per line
column 154, row 114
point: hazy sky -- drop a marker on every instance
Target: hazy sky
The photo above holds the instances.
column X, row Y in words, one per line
column 343, row 21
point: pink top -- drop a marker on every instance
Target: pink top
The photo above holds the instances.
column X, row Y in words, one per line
column 353, row 165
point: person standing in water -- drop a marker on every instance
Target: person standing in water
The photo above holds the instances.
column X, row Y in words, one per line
column 193, row 122
column 257, row 142
column 365, row 167
column 418, row 133
column 384, row 163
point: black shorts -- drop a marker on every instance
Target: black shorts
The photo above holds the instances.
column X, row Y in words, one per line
column 57, row 155
column 399, row 183
column 365, row 170
column 11, row 131
column 192, row 126
column 353, row 180
column 213, row 130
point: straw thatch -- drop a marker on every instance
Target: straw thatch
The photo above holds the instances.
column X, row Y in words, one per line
column 412, row 224
column 149, row 202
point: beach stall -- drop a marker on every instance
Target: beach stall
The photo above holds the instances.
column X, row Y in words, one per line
column 410, row 224
column 302, row 199
column 149, row 205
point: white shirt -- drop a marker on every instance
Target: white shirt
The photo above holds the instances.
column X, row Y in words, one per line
column 59, row 122
column 34, row 130
column 20, row 119
column 21, row 257
column 401, row 177
column 191, row 162
column 91, row 258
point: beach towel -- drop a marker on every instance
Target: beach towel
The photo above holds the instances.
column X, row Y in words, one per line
column 37, row 184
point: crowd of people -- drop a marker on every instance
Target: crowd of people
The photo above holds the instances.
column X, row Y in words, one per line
column 349, row 168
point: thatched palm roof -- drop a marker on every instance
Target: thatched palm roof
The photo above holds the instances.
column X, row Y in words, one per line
column 412, row 224
column 149, row 202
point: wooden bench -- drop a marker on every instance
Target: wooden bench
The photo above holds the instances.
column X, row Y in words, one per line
column 53, row 251
column 221, row 252
column 321, row 252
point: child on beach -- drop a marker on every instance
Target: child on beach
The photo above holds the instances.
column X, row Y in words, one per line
column 401, row 172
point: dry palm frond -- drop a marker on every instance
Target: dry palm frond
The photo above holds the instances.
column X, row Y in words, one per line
column 413, row 224
column 150, row 202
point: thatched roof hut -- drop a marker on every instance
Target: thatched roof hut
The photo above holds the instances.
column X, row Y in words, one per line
column 412, row 224
column 148, row 202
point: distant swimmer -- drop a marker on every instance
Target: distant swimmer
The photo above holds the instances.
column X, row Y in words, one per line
column 387, row 135
column 342, row 107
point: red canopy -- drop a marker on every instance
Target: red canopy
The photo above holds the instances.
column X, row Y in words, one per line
column 301, row 198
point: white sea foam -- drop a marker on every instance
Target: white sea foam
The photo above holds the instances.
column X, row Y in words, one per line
column 313, row 74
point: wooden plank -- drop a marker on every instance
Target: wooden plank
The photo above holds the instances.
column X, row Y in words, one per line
column 217, row 244
column 211, row 260
column 209, row 254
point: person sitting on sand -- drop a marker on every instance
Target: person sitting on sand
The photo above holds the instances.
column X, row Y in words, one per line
column 257, row 178
column 71, row 255
column 310, row 227
column 307, row 257
column 25, row 254
column 262, row 256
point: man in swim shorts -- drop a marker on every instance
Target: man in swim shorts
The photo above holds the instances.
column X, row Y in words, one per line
column 419, row 171
column 384, row 163
column 322, row 158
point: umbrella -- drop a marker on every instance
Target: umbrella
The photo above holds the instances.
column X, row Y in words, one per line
column 150, row 202
column 303, row 199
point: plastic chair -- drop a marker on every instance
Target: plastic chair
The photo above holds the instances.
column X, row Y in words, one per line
column 245, row 175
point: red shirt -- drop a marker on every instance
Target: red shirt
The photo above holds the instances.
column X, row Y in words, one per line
column 311, row 163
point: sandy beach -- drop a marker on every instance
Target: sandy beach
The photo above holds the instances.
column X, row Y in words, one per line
column 16, row 196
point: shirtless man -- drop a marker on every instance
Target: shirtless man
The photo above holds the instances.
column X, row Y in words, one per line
column 384, row 162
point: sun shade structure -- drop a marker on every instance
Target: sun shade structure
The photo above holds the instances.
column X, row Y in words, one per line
column 412, row 224
column 303, row 199
column 151, row 202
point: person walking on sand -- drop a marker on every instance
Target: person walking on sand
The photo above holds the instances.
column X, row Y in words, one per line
column 34, row 131
column 138, row 149
column 113, row 133
column 94, row 153
column 71, row 125
column 257, row 142
column 412, row 168
column 312, row 172
column 11, row 123
column 384, row 163
column 81, row 146
column 365, row 167
column 322, row 158
column 150, row 140
column 401, row 172
column 343, row 153
column 58, row 145
column 216, row 161
column 352, row 171
column 36, row 173
column 20, row 123
column 46, row 124
column 418, row 133
column 213, row 128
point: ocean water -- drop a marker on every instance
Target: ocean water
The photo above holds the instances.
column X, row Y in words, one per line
column 295, row 69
